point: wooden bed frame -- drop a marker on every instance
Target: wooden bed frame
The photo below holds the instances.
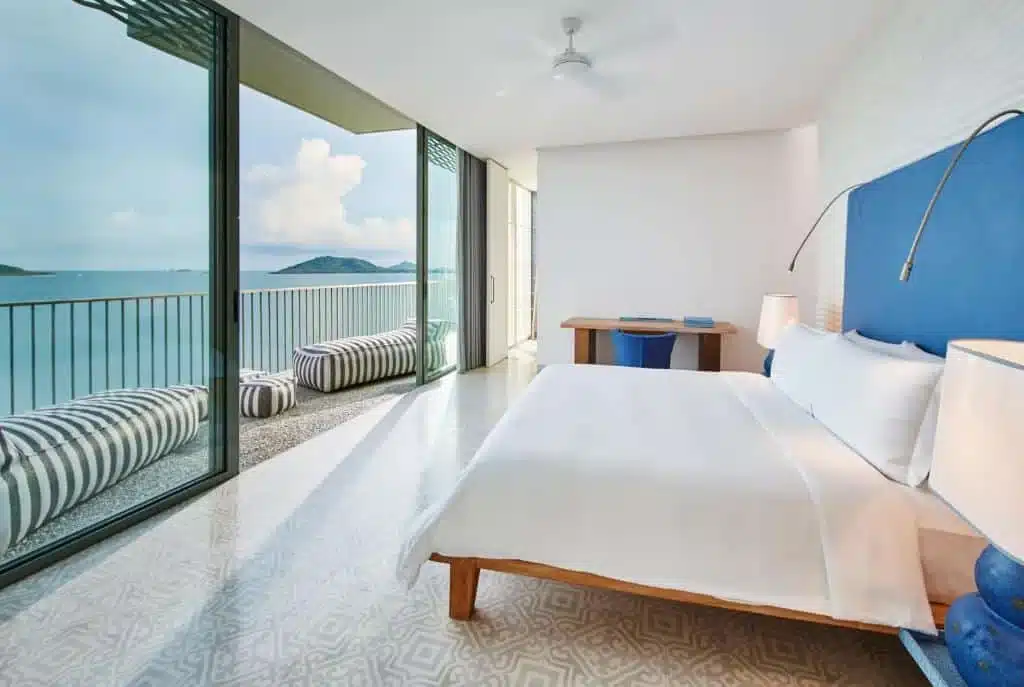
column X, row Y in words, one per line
column 464, row 577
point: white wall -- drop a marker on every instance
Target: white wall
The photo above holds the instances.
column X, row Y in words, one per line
column 932, row 72
column 699, row 226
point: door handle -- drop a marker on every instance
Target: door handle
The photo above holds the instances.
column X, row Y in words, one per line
column 492, row 289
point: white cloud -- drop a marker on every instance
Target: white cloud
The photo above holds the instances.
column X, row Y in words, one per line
column 124, row 219
column 303, row 204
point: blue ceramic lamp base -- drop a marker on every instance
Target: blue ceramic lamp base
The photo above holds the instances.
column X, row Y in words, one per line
column 985, row 631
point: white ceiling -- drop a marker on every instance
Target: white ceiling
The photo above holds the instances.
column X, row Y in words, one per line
column 677, row 67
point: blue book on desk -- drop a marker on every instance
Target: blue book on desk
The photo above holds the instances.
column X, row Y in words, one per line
column 699, row 322
column 632, row 318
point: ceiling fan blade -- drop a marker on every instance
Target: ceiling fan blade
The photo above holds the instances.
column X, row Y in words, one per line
column 520, row 85
column 520, row 46
column 630, row 40
column 598, row 83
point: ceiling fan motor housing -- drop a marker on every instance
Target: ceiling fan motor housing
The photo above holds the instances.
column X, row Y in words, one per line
column 570, row 63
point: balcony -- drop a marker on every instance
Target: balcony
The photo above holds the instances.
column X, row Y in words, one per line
column 55, row 351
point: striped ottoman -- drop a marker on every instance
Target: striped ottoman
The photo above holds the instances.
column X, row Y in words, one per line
column 267, row 395
column 245, row 374
column 56, row 458
column 334, row 365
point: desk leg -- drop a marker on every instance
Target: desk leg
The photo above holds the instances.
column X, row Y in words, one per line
column 585, row 346
column 709, row 352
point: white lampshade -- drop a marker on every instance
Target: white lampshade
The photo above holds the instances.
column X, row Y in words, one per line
column 778, row 311
column 978, row 467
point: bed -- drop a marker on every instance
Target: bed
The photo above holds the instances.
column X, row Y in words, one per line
column 710, row 487
column 576, row 484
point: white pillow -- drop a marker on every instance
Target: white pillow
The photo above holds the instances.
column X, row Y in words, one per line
column 907, row 350
column 924, row 448
column 796, row 367
column 874, row 344
column 875, row 402
column 921, row 460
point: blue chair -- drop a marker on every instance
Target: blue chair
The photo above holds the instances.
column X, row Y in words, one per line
column 633, row 349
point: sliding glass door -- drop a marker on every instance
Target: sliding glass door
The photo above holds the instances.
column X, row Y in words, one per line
column 520, row 252
column 438, row 256
column 118, row 227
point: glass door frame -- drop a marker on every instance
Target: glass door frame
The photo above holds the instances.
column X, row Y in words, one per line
column 518, row 263
column 424, row 376
column 223, row 315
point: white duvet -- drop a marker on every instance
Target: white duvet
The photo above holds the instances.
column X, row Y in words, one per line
column 712, row 483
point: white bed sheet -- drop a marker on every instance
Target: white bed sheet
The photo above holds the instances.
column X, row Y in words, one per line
column 712, row 483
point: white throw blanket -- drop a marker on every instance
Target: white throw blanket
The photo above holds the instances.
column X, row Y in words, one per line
column 712, row 483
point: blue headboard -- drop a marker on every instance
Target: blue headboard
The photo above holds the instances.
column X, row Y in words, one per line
column 968, row 278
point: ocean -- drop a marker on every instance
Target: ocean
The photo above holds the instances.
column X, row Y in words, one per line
column 151, row 328
column 69, row 285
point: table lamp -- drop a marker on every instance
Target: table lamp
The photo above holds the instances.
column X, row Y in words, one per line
column 778, row 311
column 978, row 470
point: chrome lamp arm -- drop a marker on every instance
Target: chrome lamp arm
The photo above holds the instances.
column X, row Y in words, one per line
column 792, row 263
column 908, row 264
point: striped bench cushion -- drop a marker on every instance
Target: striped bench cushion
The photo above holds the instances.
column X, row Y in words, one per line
column 267, row 396
column 436, row 329
column 6, row 452
column 245, row 374
column 334, row 365
column 201, row 392
column 64, row 455
column 437, row 354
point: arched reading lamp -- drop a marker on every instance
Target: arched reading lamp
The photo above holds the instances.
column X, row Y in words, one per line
column 779, row 310
column 908, row 265
column 978, row 469
column 828, row 206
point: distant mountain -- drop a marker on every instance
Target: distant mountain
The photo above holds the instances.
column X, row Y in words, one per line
column 401, row 267
column 12, row 271
column 329, row 264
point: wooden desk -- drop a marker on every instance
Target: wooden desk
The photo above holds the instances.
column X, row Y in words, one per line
column 709, row 339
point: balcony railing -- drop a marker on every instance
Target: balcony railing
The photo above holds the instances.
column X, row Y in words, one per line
column 55, row 351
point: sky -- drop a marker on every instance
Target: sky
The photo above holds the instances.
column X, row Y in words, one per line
column 104, row 160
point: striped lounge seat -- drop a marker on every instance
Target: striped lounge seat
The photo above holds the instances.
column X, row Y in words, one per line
column 246, row 374
column 334, row 365
column 55, row 458
column 266, row 395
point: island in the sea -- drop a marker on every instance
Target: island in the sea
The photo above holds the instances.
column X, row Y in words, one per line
column 12, row 271
column 328, row 264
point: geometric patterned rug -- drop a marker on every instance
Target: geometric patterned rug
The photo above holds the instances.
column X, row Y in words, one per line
column 527, row 633
column 540, row 633
column 270, row 581
column 270, row 626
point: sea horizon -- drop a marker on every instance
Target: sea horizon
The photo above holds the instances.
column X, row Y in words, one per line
column 60, row 285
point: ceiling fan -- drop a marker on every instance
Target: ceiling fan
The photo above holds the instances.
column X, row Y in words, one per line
column 570, row 62
column 572, row 65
